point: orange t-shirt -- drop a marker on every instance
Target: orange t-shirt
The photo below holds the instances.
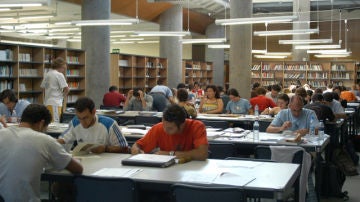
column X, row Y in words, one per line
column 193, row 135
column 263, row 102
column 348, row 96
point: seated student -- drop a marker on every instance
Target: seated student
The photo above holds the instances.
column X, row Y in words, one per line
column 25, row 151
column 88, row 127
column 183, row 97
column 323, row 112
column 237, row 105
column 137, row 100
column 11, row 107
column 211, row 103
column 261, row 100
column 282, row 103
column 113, row 98
column 335, row 105
column 224, row 96
column 295, row 118
column 175, row 135
column 274, row 92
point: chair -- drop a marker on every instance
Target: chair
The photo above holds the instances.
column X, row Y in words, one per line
column 221, row 150
column 1, row 199
column 192, row 193
column 91, row 188
column 216, row 124
column 263, row 125
column 147, row 120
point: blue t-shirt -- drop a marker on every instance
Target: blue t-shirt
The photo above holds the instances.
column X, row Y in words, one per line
column 18, row 109
column 240, row 107
column 301, row 122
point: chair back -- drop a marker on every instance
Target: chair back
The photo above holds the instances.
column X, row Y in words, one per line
column 263, row 125
column 147, row 120
column 192, row 193
column 91, row 188
column 216, row 124
column 221, row 150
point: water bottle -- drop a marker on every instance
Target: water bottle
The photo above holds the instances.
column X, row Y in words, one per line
column 256, row 127
column 321, row 131
column 312, row 127
column 256, row 110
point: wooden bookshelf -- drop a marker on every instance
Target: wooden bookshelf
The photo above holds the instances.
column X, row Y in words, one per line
column 136, row 71
column 196, row 71
column 22, row 68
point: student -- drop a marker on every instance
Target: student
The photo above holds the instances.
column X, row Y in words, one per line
column 261, row 100
column 237, row 105
column 323, row 112
column 162, row 96
column 274, row 92
column 137, row 100
column 211, row 103
column 88, row 127
column 175, row 135
column 335, row 105
column 295, row 118
column 56, row 88
column 282, row 103
column 10, row 107
column 113, row 98
column 183, row 97
column 25, row 151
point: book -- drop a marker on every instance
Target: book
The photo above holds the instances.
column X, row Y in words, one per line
column 83, row 148
column 152, row 160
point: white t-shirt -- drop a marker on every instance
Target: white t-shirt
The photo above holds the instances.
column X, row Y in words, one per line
column 24, row 153
column 54, row 82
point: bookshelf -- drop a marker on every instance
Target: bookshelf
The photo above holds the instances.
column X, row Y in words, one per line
column 196, row 71
column 317, row 74
column 22, row 68
column 136, row 71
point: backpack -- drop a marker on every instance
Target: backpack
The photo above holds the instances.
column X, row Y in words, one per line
column 343, row 161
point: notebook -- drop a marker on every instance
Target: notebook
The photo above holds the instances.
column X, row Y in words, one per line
column 152, row 160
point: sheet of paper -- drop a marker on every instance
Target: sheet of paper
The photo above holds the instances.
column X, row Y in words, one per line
column 237, row 163
column 133, row 131
column 152, row 157
column 214, row 133
column 83, row 148
column 229, row 178
column 117, row 172
column 196, row 177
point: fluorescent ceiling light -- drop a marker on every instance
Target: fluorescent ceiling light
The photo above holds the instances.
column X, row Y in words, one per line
column 201, row 41
column 57, row 37
column 330, row 46
column 124, row 42
column 122, row 32
column 162, row 33
column 132, row 39
column 35, row 17
column 271, row 56
column 8, row 5
column 255, row 20
column 286, row 32
column 27, row 43
column 148, row 42
column 332, row 56
column 4, row 9
column 331, row 51
column 105, row 22
column 305, row 41
column 74, row 40
column 278, row 53
column 259, row 51
column 63, row 23
column 118, row 36
column 219, row 46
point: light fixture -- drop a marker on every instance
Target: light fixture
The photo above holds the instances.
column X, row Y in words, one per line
column 4, row 9
column 12, row 5
column 332, row 55
column 122, row 32
column 203, row 41
column 27, row 43
column 34, row 17
column 219, row 46
column 331, row 51
column 57, row 37
column 132, row 39
column 329, row 46
column 74, row 40
column 255, row 20
column 286, row 32
column 259, row 51
column 105, row 22
column 271, row 56
column 162, row 33
column 305, row 41
column 118, row 36
column 278, row 53
column 148, row 42
column 124, row 42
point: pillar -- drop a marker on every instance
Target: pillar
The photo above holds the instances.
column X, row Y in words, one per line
column 170, row 46
column 302, row 9
column 216, row 56
column 96, row 42
column 241, row 46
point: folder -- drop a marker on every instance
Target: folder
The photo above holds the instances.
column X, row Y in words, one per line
column 152, row 160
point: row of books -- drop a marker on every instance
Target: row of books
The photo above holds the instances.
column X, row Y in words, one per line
column 72, row 60
column 73, row 72
column 294, row 76
column 336, row 67
column 296, row 67
column 6, row 71
column 74, row 84
column 317, row 75
column 72, row 98
column 24, row 57
column 340, row 75
column 6, row 85
column 28, row 72
column 6, row 55
column 317, row 84
column 316, row 67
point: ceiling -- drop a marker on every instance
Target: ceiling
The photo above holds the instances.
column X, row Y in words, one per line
column 202, row 13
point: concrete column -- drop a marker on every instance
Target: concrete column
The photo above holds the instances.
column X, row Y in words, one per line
column 216, row 56
column 96, row 42
column 302, row 9
column 170, row 46
column 240, row 51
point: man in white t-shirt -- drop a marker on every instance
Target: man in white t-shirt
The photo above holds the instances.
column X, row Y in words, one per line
column 25, row 151
column 56, row 88
column 87, row 127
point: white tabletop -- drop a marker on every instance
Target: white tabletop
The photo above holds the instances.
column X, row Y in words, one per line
column 233, row 117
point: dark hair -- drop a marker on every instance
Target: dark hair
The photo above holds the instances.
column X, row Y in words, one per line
column 309, row 92
column 182, row 95
column 136, row 92
column 276, row 87
column 215, row 89
column 336, row 96
column 317, row 97
column 113, row 88
column 8, row 94
column 256, row 85
column 34, row 113
column 84, row 103
column 297, row 98
column 191, row 86
column 318, row 90
column 175, row 113
column 301, row 92
column 260, row 91
column 181, row 85
column 285, row 97
column 58, row 62
column 220, row 88
column 234, row 92
column 328, row 96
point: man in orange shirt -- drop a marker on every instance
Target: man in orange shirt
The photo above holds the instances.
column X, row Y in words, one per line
column 175, row 135
column 347, row 95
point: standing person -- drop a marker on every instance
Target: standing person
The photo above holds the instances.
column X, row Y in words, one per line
column 211, row 103
column 56, row 88
column 137, row 100
column 237, row 105
column 88, row 127
column 25, row 151
column 162, row 96
column 113, row 98
column 10, row 107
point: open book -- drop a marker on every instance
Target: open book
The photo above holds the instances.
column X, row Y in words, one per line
column 83, row 148
column 153, row 160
